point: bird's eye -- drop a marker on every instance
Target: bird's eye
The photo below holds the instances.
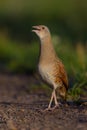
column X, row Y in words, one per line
column 43, row 27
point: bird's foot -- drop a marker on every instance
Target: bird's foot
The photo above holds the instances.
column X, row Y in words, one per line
column 57, row 106
column 48, row 109
column 52, row 108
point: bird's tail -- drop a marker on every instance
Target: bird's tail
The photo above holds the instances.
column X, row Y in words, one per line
column 61, row 92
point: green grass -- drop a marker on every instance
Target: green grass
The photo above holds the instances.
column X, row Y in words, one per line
column 18, row 56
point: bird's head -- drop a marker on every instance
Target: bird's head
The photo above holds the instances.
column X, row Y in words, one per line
column 42, row 31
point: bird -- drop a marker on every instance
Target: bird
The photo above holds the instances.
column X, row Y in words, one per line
column 50, row 66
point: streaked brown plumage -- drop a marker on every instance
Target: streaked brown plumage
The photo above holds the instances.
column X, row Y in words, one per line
column 50, row 67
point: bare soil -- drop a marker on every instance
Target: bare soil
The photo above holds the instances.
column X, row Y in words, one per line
column 22, row 107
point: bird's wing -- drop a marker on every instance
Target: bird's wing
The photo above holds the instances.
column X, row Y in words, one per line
column 60, row 74
column 63, row 75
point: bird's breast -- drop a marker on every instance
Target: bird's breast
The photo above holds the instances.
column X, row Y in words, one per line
column 46, row 73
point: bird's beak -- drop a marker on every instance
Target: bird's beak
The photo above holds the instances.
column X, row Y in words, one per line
column 36, row 28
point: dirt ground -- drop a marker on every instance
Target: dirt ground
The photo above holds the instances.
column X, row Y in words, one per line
column 22, row 109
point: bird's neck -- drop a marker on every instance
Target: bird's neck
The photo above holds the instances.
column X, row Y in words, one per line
column 47, row 52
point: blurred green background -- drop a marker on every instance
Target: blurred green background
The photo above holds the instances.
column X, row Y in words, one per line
column 19, row 47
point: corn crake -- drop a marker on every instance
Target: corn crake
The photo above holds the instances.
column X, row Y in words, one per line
column 50, row 66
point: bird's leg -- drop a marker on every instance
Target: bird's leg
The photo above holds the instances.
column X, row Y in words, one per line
column 53, row 96
column 55, row 100
column 49, row 106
